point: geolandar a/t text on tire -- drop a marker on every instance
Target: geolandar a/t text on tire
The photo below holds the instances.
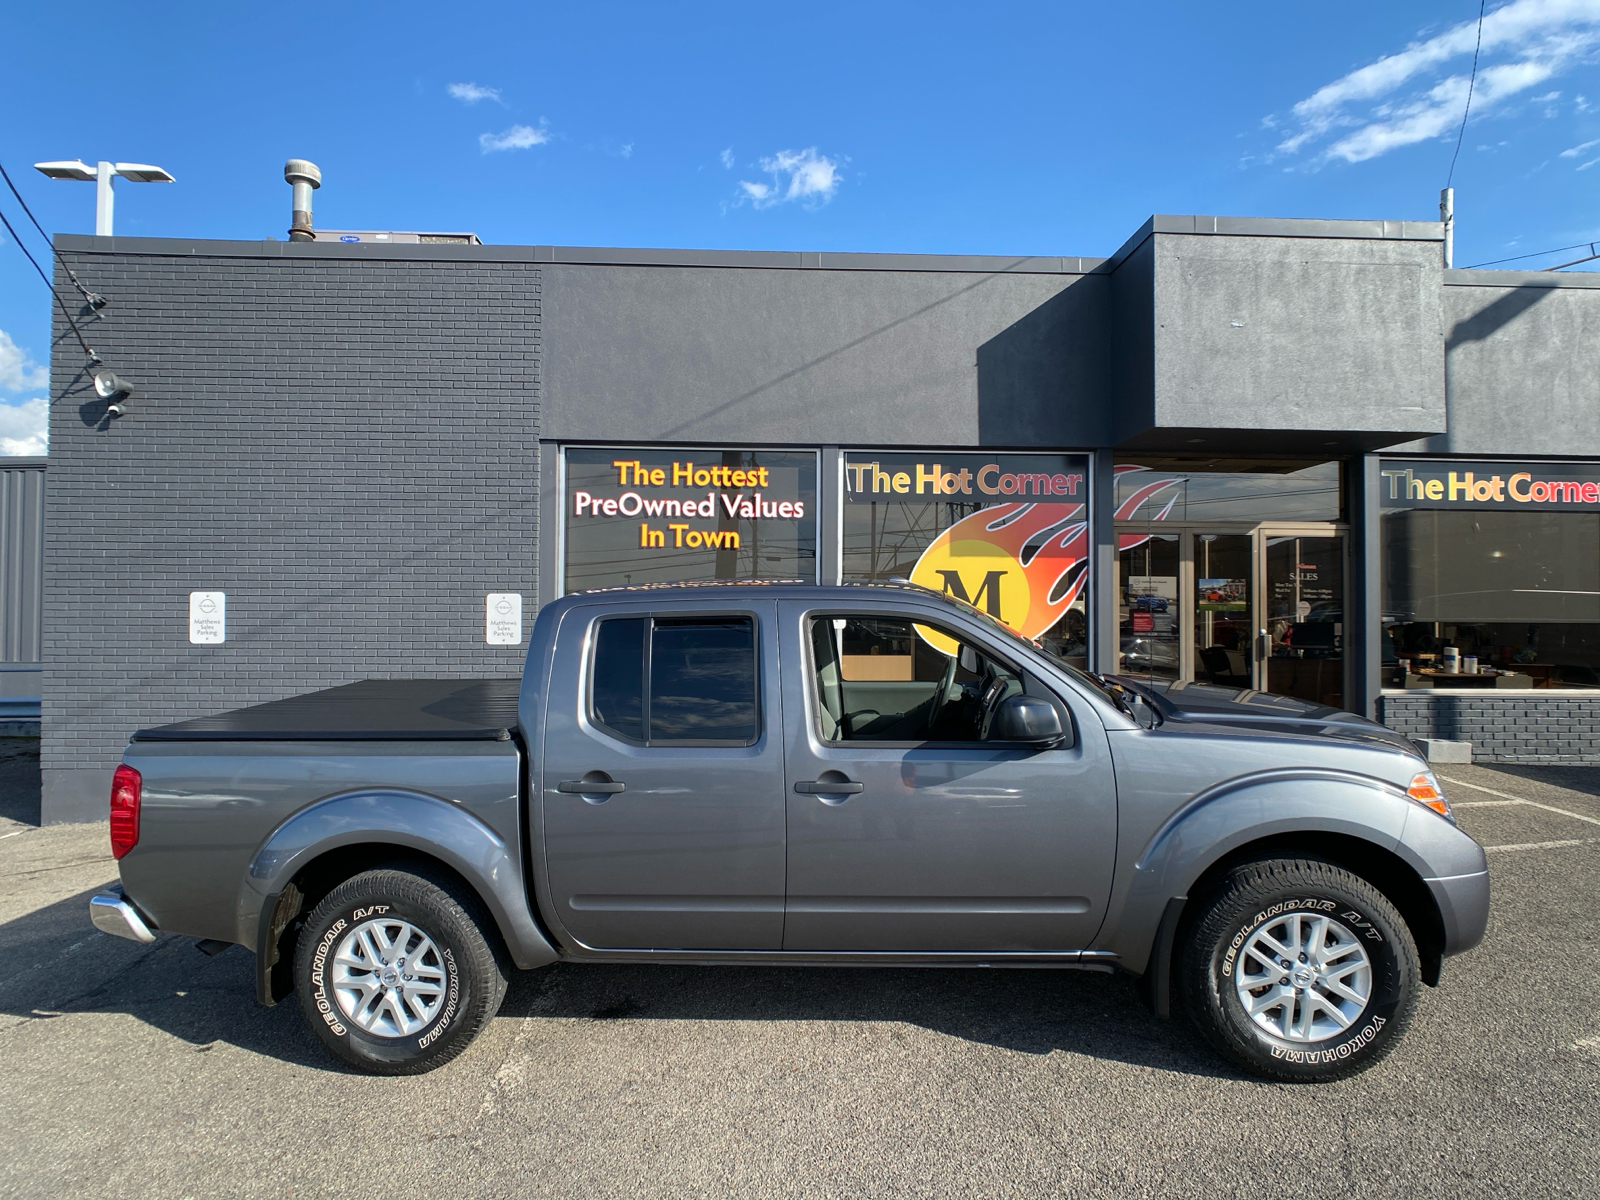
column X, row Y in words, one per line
column 394, row 973
column 1298, row 970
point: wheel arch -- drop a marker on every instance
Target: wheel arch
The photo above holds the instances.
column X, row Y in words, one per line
column 1393, row 877
column 339, row 837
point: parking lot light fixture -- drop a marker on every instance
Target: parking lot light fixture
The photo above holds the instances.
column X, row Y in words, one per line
column 102, row 173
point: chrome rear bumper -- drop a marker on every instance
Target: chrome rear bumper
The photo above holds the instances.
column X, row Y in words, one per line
column 111, row 913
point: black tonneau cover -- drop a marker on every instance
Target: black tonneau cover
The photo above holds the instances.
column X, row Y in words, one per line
column 374, row 710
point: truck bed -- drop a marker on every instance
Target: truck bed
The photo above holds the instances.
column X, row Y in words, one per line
column 378, row 710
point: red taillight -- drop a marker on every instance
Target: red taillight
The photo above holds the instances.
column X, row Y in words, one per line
column 126, row 785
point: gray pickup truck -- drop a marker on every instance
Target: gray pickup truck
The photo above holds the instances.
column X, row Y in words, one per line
column 870, row 775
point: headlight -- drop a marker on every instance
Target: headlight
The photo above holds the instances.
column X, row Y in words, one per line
column 1425, row 790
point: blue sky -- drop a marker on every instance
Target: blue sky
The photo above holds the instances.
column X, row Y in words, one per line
column 941, row 128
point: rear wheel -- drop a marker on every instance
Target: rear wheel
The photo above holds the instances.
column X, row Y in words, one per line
column 394, row 972
column 1298, row 970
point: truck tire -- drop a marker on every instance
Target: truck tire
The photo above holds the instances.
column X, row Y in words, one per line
column 394, row 972
column 1298, row 970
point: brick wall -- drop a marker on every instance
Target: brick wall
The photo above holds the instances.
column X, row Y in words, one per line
column 1561, row 727
column 347, row 447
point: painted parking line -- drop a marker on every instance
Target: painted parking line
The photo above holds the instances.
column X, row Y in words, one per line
column 1510, row 799
column 1543, row 845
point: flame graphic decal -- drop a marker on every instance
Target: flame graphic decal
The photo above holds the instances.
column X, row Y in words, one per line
column 1023, row 563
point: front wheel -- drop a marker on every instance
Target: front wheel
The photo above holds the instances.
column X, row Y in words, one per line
column 394, row 972
column 1300, row 971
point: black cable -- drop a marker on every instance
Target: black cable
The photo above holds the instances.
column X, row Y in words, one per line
column 87, row 349
column 1520, row 257
column 94, row 300
column 1470, row 85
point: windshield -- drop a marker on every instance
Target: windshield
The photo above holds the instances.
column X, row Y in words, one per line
column 1109, row 690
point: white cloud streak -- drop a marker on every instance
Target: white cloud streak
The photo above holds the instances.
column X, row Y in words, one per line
column 518, row 137
column 17, row 371
column 802, row 176
column 1408, row 97
column 24, row 428
column 471, row 93
column 727, row 159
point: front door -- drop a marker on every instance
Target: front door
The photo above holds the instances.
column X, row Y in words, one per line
column 910, row 829
column 1303, row 615
column 662, row 779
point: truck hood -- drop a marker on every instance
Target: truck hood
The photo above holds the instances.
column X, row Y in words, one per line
column 1194, row 704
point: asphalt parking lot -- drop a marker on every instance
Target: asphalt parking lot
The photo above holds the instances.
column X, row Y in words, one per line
column 135, row 1070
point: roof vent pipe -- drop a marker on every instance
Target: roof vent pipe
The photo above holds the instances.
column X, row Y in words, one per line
column 303, row 176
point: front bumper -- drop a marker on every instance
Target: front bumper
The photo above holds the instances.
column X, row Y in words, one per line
column 1463, row 902
column 112, row 913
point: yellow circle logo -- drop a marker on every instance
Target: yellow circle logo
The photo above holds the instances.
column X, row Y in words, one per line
column 1023, row 564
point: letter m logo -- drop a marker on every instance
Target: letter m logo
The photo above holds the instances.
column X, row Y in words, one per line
column 987, row 596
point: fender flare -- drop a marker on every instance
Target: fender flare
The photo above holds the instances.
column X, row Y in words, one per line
column 408, row 821
column 1250, row 808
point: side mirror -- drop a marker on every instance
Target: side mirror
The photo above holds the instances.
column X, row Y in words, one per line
column 1027, row 719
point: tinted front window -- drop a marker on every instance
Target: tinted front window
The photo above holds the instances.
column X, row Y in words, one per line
column 703, row 681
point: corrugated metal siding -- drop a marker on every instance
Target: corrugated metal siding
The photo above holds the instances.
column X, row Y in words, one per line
column 21, row 558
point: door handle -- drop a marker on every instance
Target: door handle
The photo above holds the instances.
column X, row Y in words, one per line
column 585, row 787
column 828, row 787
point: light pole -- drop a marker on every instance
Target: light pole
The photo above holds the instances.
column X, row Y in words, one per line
column 102, row 174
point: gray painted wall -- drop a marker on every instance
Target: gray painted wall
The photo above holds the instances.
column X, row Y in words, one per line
column 1522, row 364
column 690, row 354
column 1319, row 341
column 348, row 448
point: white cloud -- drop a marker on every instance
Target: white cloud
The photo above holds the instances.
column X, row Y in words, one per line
column 627, row 150
column 471, row 93
column 1406, row 98
column 24, row 428
column 1577, row 150
column 802, row 175
column 518, row 137
column 727, row 159
column 17, row 370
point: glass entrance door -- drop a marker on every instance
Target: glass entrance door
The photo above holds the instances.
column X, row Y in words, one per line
column 1224, row 603
column 1302, row 619
column 1148, row 573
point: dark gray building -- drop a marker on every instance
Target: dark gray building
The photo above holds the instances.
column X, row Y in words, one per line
column 1280, row 456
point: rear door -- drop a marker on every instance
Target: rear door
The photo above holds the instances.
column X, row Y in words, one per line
column 662, row 778
column 909, row 828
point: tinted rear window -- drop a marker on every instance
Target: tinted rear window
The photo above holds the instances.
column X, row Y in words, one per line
column 703, row 681
column 619, row 677
column 678, row 681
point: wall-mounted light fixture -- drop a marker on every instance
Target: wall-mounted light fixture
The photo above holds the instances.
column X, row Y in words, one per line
column 110, row 386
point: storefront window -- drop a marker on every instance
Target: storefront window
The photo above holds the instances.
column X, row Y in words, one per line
column 1491, row 574
column 1519, row 592
column 1008, row 533
column 661, row 516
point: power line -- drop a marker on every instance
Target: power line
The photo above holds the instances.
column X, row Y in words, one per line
column 1535, row 254
column 87, row 349
column 1470, row 85
column 94, row 300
